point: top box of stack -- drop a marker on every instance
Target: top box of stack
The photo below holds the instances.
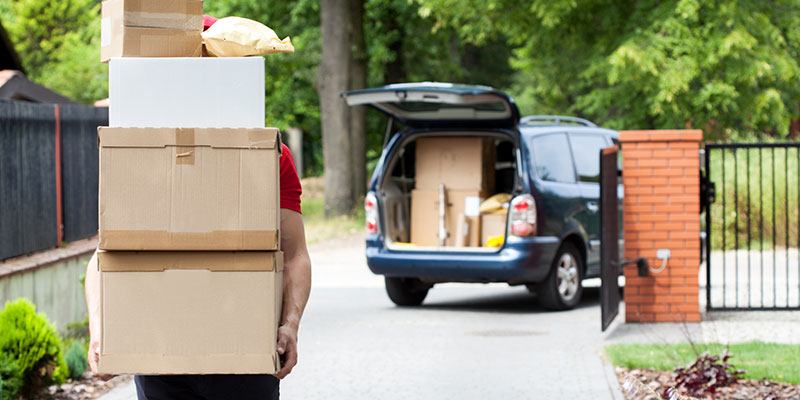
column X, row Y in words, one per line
column 151, row 28
column 460, row 163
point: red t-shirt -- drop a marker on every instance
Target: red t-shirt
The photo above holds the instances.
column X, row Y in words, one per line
column 290, row 181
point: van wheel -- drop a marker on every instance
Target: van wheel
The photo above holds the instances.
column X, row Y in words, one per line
column 406, row 291
column 563, row 287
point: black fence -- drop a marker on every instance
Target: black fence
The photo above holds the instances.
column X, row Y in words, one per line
column 31, row 204
column 752, row 238
column 79, row 168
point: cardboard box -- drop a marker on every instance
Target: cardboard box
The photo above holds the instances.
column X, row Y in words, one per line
column 186, row 92
column 127, row 41
column 151, row 28
column 190, row 312
column 189, row 189
column 425, row 217
column 185, row 15
column 492, row 225
column 460, row 163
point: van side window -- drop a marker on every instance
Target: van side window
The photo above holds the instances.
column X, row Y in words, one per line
column 586, row 150
column 552, row 158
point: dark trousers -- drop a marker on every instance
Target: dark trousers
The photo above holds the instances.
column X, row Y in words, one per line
column 207, row 387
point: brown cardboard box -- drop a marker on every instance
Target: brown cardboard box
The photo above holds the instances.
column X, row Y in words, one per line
column 492, row 225
column 460, row 163
column 190, row 312
column 151, row 28
column 126, row 41
column 425, row 217
column 189, row 189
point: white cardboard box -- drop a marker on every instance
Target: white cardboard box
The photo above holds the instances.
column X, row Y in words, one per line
column 186, row 92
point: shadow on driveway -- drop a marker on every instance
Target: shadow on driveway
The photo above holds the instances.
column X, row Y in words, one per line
column 513, row 302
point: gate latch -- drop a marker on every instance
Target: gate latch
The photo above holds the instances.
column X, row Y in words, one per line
column 642, row 266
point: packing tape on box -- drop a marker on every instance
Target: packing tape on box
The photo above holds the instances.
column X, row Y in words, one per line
column 173, row 20
column 157, row 261
column 151, row 43
column 159, row 364
column 184, row 142
column 175, row 241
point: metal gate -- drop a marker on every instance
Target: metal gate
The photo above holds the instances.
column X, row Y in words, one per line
column 609, row 237
column 752, row 240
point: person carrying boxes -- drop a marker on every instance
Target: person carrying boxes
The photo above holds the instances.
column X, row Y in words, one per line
column 202, row 272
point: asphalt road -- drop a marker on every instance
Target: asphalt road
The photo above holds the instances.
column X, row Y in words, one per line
column 465, row 342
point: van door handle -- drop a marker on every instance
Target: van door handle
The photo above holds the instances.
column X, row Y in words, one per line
column 592, row 206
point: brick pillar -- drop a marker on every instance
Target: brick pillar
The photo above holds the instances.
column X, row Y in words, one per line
column 661, row 175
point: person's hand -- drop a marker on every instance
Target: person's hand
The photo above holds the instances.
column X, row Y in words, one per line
column 287, row 349
column 94, row 358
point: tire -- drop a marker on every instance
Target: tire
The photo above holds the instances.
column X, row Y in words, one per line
column 553, row 292
column 406, row 292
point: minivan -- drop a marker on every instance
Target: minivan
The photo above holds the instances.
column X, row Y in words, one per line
column 548, row 165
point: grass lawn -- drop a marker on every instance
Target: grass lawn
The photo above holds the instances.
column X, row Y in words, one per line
column 776, row 362
column 319, row 228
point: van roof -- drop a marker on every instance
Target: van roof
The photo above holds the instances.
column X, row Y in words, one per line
column 543, row 129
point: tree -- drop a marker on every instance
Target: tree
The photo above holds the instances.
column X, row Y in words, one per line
column 334, row 78
column 729, row 67
column 59, row 44
column 358, row 80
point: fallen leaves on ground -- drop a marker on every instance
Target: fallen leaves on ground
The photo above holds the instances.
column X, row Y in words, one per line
column 646, row 384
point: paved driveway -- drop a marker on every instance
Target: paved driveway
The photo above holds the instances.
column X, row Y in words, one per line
column 466, row 342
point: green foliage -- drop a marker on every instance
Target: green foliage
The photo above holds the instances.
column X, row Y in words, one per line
column 78, row 330
column 59, row 44
column 76, row 359
column 726, row 66
column 10, row 378
column 33, row 344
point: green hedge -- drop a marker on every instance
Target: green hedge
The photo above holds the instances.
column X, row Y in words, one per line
column 30, row 351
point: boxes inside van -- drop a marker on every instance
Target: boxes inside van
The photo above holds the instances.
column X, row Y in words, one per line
column 435, row 186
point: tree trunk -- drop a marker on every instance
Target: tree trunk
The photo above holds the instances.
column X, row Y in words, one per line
column 794, row 129
column 358, row 80
column 395, row 69
column 334, row 78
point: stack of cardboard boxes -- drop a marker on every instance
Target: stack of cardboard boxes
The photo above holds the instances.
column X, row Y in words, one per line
column 191, row 272
column 460, row 171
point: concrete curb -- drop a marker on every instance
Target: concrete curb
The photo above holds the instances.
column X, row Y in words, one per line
column 611, row 379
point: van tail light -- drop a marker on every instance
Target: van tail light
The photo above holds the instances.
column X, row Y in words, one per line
column 371, row 213
column 522, row 216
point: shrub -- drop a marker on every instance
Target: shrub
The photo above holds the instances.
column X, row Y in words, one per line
column 77, row 362
column 33, row 344
column 706, row 375
column 10, row 378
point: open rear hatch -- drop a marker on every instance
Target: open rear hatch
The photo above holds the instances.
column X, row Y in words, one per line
column 433, row 104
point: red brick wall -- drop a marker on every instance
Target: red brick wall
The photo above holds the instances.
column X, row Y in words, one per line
column 661, row 211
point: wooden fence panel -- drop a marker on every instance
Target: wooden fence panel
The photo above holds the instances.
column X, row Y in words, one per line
column 79, row 162
column 27, row 178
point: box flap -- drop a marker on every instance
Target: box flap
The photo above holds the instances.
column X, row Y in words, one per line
column 192, row 7
column 130, row 261
column 174, row 14
column 237, row 138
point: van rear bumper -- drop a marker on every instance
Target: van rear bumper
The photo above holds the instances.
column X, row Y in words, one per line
column 521, row 260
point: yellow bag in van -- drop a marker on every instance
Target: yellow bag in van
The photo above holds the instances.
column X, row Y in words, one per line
column 241, row 37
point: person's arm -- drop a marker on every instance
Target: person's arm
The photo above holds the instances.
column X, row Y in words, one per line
column 92, row 292
column 296, row 286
